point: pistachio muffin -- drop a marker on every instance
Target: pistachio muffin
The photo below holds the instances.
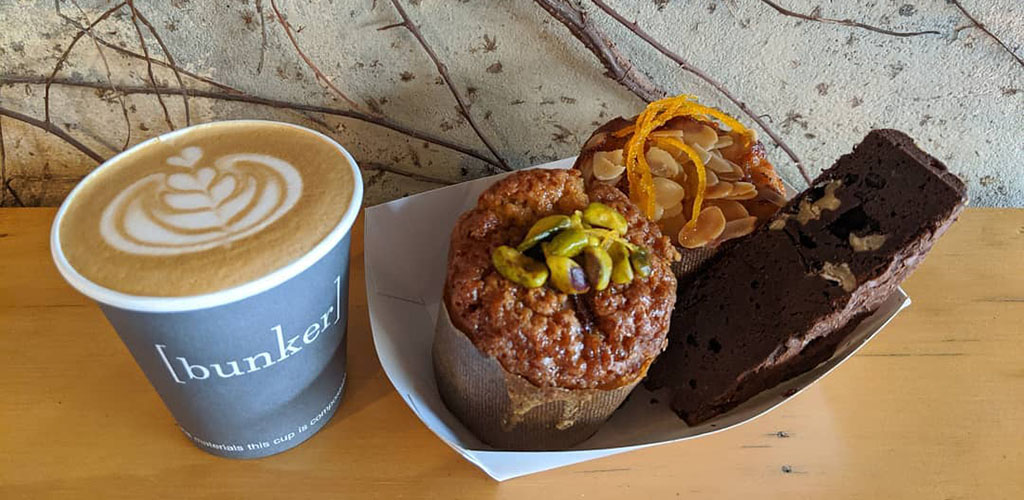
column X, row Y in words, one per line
column 564, row 294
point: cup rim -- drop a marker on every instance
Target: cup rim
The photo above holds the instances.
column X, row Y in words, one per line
column 165, row 304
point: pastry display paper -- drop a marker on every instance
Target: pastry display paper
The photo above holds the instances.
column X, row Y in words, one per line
column 406, row 249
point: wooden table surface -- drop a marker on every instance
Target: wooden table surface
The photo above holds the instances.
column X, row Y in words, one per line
column 932, row 408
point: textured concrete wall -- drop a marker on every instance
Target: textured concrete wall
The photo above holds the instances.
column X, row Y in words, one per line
column 535, row 90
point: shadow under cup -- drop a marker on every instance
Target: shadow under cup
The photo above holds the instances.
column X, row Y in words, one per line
column 249, row 371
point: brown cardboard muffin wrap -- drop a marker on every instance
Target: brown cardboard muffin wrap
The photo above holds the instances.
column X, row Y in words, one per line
column 492, row 351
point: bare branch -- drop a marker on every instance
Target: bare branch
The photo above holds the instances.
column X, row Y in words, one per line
column 14, row 194
column 170, row 60
column 149, row 63
column 846, row 22
column 250, row 99
column 136, row 55
column 53, row 129
column 263, row 35
column 443, row 71
column 381, row 167
column 707, row 78
column 987, row 32
column 618, row 67
column 64, row 56
column 106, row 65
column 376, row 166
column 309, row 62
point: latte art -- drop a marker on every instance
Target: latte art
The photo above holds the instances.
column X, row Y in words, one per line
column 191, row 206
column 207, row 208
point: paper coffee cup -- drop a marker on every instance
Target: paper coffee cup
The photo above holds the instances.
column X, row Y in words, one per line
column 247, row 371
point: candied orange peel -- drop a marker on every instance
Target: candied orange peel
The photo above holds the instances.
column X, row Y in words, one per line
column 654, row 116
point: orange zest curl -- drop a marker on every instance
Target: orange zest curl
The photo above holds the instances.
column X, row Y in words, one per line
column 702, row 175
column 657, row 114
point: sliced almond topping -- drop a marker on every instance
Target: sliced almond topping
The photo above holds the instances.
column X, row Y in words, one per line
column 595, row 140
column 724, row 141
column 702, row 153
column 712, row 179
column 710, row 225
column 700, row 135
column 662, row 163
column 667, row 192
column 731, row 209
column 673, row 211
column 718, row 164
column 672, row 225
column 735, row 172
column 742, row 191
column 738, row 228
column 681, row 176
column 608, row 165
column 771, row 196
column 659, row 212
column 718, row 191
column 587, row 168
column 668, row 132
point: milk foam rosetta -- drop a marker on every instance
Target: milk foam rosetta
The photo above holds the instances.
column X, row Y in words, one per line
column 199, row 204
column 206, row 208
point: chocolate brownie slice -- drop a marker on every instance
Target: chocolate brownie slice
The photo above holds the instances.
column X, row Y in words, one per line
column 777, row 303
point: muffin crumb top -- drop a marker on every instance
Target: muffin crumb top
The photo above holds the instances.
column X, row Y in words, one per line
column 600, row 339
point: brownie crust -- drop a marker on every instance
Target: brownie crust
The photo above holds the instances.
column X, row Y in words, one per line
column 777, row 303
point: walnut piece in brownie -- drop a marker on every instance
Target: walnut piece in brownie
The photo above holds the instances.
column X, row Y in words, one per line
column 597, row 340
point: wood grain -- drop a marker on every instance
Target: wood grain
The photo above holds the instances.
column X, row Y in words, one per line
column 932, row 408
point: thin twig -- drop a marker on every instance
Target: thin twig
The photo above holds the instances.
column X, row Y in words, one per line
column 986, row 30
column 443, row 71
column 106, row 65
column 149, row 63
column 14, row 194
column 250, row 99
column 633, row 27
column 309, row 62
column 381, row 167
column 64, row 56
column 846, row 22
column 263, row 35
column 171, row 64
column 179, row 69
column 618, row 67
column 53, row 129
column 375, row 166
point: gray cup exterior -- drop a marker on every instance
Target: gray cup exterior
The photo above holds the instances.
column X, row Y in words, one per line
column 254, row 377
column 251, row 370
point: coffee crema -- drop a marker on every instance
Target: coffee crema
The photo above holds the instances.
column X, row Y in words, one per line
column 206, row 209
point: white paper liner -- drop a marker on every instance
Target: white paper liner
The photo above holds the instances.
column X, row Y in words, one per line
column 406, row 248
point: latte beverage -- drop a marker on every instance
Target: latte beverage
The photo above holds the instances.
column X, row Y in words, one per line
column 207, row 209
column 220, row 255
